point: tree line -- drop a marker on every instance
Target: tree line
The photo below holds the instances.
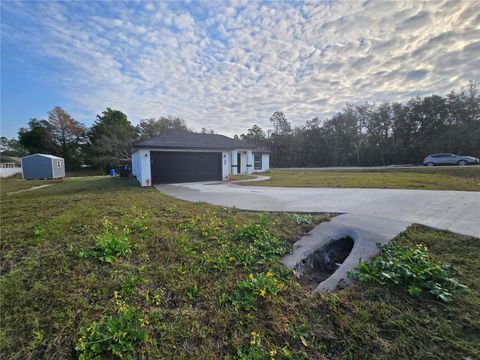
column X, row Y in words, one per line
column 377, row 134
column 106, row 144
column 357, row 135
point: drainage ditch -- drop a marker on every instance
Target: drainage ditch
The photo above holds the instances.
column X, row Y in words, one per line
column 322, row 263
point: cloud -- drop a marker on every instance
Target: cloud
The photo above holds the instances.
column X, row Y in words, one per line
column 228, row 66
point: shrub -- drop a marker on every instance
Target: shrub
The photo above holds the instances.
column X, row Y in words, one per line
column 412, row 268
column 116, row 335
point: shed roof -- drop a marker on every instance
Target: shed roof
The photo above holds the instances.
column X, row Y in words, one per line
column 181, row 139
column 44, row 155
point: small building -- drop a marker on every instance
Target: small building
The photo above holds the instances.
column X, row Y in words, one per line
column 42, row 166
column 9, row 166
column 181, row 156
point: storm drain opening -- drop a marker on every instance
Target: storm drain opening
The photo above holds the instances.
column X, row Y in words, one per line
column 322, row 263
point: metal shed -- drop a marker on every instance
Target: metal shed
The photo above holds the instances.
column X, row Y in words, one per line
column 42, row 166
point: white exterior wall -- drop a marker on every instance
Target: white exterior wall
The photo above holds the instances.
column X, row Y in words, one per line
column 265, row 162
column 226, row 164
column 141, row 166
column 9, row 171
column 233, row 160
column 249, row 161
column 243, row 162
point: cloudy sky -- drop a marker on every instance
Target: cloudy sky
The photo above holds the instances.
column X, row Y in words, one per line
column 228, row 65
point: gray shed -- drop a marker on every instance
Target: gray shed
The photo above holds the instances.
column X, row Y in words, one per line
column 42, row 166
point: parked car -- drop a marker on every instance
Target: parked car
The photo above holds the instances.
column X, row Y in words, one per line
column 449, row 159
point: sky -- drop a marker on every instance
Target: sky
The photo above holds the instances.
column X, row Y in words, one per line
column 229, row 65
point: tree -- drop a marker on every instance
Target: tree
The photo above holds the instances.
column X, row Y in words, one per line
column 12, row 147
column 151, row 127
column 255, row 135
column 37, row 138
column 67, row 135
column 280, row 124
column 111, row 138
column 281, row 141
column 207, row 131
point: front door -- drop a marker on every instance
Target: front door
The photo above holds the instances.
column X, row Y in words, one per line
column 239, row 164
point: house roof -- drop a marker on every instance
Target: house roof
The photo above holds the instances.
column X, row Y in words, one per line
column 6, row 158
column 44, row 155
column 181, row 139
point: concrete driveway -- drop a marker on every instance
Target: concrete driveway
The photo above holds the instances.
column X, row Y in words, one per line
column 457, row 211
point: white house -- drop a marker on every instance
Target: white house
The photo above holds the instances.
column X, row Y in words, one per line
column 181, row 156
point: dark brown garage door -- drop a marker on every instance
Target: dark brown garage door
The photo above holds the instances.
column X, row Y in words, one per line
column 176, row 167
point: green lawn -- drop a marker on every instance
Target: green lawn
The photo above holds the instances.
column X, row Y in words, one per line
column 241, row 177
column 449, row 178
column 107, row 267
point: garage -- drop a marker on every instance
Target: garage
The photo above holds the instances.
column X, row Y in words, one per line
column 179, row 156
column 178, row 167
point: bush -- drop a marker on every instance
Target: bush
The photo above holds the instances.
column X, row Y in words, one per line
column 412, row 268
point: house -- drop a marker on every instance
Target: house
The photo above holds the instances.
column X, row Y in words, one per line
column 9, row 166
column 181, row 156
column 42, row 166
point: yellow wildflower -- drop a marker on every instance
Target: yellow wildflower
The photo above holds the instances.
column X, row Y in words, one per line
column 268, row 274
column 263, row 293
column 253, row 338
column 251, row 277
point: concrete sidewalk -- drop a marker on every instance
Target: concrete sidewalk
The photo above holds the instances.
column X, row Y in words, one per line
column 457, row 211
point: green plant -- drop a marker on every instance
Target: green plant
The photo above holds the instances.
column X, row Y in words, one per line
column 251, row 290
column 262, row 246
column 412, row 268
column 116, row 335
column 111, row 243
column 192, row 292
column 304, row 219
column 137, row 221
column 254, row 350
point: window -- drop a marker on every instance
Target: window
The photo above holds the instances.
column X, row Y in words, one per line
column 257, row 161
column 59, row 163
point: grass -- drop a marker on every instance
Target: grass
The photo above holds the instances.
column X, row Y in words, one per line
column 445, row 178
column 204, row 282
column 241, row 177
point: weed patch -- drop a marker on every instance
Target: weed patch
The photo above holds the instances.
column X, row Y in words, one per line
column 111, row 243
column 256, row 288
column 411, row 268
column 117, row 335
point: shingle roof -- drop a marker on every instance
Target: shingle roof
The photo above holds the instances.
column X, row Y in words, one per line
column 45, row 155
column 181, row 139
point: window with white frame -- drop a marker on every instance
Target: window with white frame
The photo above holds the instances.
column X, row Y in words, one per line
column 257, row 161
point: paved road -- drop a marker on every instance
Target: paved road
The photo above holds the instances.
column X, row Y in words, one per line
column 458, row 211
